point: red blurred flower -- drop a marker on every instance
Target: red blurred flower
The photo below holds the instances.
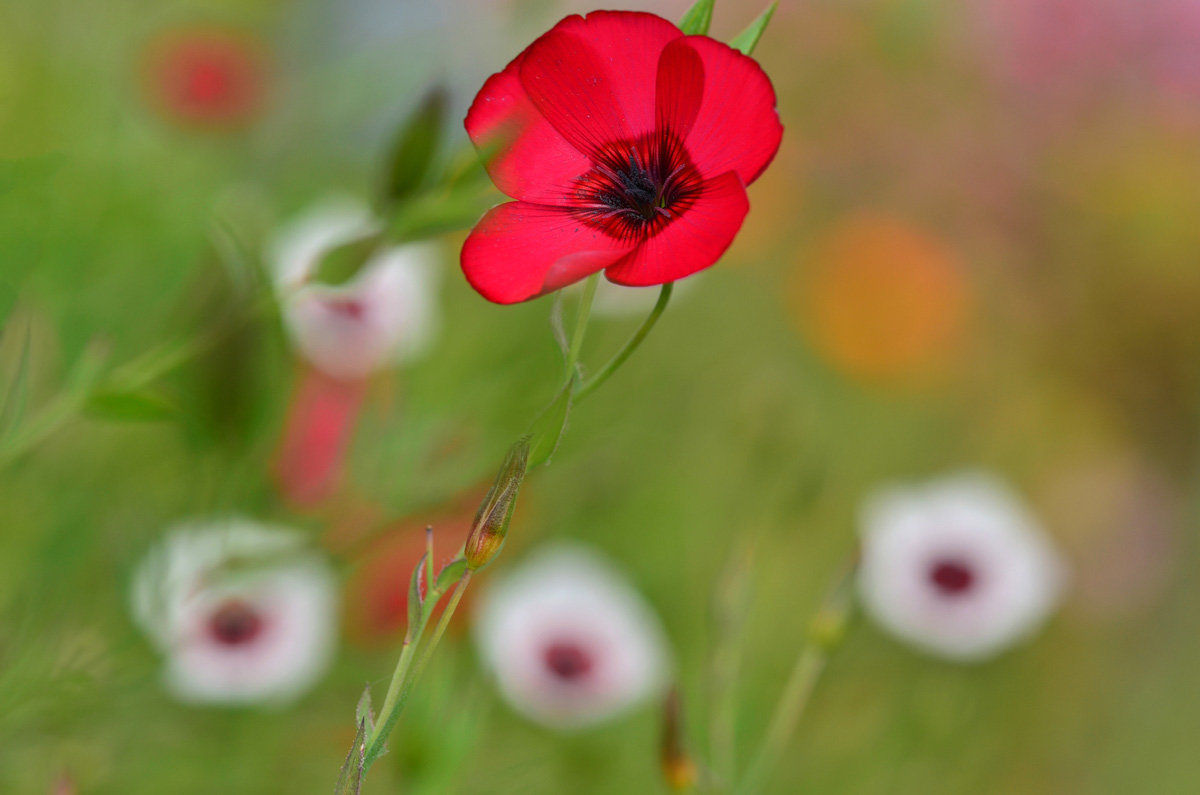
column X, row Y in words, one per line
column 206, row 77
column 316, row 438
column 627, row 146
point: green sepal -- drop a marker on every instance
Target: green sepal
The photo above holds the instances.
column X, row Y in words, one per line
column 362, row 711
column 697, row 19
column 747, row 40
column 415, row 603
column 451, row 573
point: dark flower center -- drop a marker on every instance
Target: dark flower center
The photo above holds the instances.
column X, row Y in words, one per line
column 235, row 623
column 635, row 188
column 350, row 308
column 952, row 577
column 567, row 661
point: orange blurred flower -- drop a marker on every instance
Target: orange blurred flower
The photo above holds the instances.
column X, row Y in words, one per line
column 882, row 298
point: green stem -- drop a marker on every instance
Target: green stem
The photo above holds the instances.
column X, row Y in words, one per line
column 589, row 386
column 581, row 321
column 443, row 623
column 406, row 673
column 392, row 702
column 730, row 606
column 825, row 634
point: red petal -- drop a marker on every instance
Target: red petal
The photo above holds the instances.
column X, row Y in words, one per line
column 527, row 158
column 593, row 78
column 736, row 127
column 520, row 250
column 679, row 89
column 693, row 241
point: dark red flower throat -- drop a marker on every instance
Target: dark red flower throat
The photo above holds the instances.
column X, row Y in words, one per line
column 635, row 188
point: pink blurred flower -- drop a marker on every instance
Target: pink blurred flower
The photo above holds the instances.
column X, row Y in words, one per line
column 206, row 77
column 1052, row 45
column 1173, row 45
column 569, row 640
column 242, row 611
column 386, row 314
column 957, row 567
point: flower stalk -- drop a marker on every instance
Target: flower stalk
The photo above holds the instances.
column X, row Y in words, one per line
column 825, row 633
column 605, row 372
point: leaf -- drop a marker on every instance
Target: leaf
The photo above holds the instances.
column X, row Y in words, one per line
column 142, row 405
column 234, row 257
column 556, row 323
column 415, row 602
column 449, row 213
column 451, row 573
column 350, row 778
column 362, row 712
column 86, row 371
column 342, row 263
column 697, row 19
column 8, row 302
column 747, row 40
column 13, row 408
column 549, row 426
column 414, row 153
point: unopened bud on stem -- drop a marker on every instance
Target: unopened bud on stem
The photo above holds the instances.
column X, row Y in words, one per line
column 678, row 769
column 491, row 522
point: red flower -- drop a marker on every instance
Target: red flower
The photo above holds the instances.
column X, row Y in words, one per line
column 316, row 438
column 627, row 146
column 206, row 77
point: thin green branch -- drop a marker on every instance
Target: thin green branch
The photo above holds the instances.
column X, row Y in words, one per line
column 406, row 673
column 581, row 322
column 443, row 623
column 600, row 377
column 825, row 634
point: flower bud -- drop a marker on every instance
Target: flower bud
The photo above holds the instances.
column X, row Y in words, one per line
column 678, row 769
column 491, row 522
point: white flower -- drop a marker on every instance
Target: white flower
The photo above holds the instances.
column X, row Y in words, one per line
column 386, row 314
column 957, row 567
column 571, row 643
column 243, row 612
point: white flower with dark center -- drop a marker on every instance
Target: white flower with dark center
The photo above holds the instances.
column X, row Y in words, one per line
column 569, row 640
column 242, row 612
column 385, row 314
column 957, row 567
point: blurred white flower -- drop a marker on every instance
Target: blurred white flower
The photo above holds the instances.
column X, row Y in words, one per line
column 617, row 301
column 570, row 641
column 957, row 567
column 386, row 314
column 243, row 612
